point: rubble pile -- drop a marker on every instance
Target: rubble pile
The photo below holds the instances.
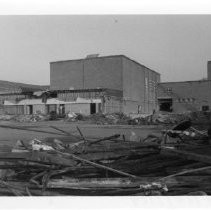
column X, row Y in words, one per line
column 100, row 119
column 30, row 118
column 172, row 118
column 6, row 117
column 200, row 117
column 113, row 165
column 115, row 118
column 122, row 119
column 24, row 118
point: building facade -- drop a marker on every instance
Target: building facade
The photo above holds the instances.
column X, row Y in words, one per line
column 92, row 85
column 136, row 83
column 14, row 93
column 184, row 96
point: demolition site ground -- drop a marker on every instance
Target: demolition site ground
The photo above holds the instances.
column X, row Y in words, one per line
column 153, row 157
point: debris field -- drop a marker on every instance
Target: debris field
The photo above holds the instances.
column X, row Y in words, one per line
column 176, row 163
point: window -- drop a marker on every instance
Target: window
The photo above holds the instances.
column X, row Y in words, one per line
column 139, row 109
column 205, row 108
column 169, row 89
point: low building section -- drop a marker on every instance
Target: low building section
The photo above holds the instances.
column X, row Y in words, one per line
column 87, row 102
column 15, row 92
column 184, row 96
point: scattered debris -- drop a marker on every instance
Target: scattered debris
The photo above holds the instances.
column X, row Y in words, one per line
column 177, row 163
column 164, row 118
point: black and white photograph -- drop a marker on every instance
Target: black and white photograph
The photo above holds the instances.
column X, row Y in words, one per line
column 105, row 105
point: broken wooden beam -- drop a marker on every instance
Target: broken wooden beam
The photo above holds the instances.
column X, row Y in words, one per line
column 186, row 155
column 96, row 164
column 59, row 129
column 187, row 172
column 105, row 139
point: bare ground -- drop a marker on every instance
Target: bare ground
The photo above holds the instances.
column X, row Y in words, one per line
column 43, row 130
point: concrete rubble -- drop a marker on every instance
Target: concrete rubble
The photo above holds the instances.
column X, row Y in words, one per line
column 114, row 118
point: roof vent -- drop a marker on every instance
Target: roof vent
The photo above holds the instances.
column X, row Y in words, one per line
column 92, row 56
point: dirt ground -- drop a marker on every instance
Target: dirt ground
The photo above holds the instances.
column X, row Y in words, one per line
column 43, row 130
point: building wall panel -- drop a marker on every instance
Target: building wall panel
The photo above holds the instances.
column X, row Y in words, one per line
column 91, row 73
column 139, row 87
column 14, row 110
column 66, row 75
column 187, row 96
column 112, row 104
column 39, row 108
column 78, row 108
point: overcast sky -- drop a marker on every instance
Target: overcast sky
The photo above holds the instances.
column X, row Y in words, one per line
column 178, row 47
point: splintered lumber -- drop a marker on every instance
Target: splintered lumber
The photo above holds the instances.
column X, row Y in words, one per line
column 24, row 165
column 155, row 164
column 187, row 172
column 96, row 164
column 67, row 182
column 113, row 147
column 29, row 129
column 187, row 155
column 14, row 190
column 172, row 169
column 106, row 186
column 200, row 132
column 81, row 134
column 105, row 139
column 24, row 189
column 37, row 157
column 98, row 156
column 63, row 131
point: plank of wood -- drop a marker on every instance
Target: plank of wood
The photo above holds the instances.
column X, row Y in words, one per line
column 104, row 139
column 110, row 147
column 63, row 131
column 39, row 157
column 98, row 156
column 67, row 182
column 186, row 155
column 187, row 172
column 96, row 164
column 29, row 129
column 81, row 134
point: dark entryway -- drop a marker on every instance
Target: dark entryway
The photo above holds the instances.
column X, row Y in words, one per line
column 61, row 109
column 92, row 108
column 205, row 108
column 165, row 104
column 29, row 109
column 50, row 108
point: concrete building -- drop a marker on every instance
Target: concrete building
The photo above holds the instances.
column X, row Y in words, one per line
column 131, row 87
column 185, row 96
column 209, row 70
column 92, row 85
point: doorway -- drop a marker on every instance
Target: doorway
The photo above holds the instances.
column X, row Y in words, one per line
column 92, row 108
column 29, row 109
column 165, row 104
column 61, row 109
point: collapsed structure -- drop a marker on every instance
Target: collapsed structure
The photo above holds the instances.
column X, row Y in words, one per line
column 14, row 93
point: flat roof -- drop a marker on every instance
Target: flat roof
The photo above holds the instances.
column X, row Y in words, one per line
column 109, row 56
column 191, row 81
column 107, row 90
